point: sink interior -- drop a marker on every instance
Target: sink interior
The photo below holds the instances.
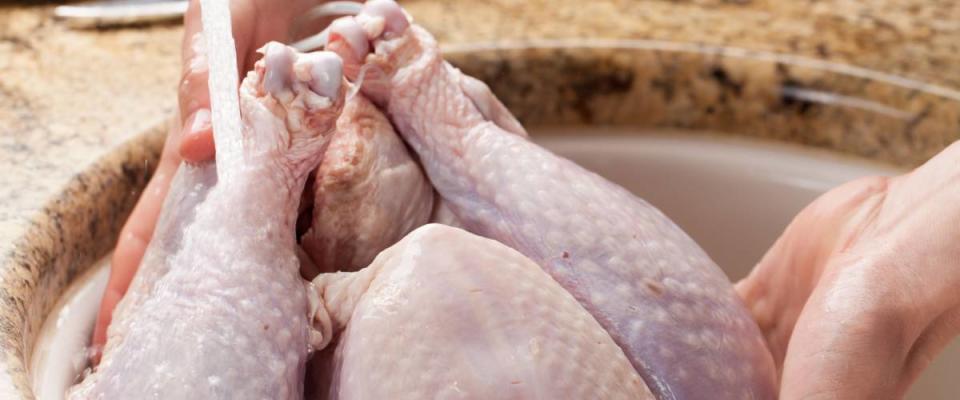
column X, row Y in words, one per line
column 734, row 196
column 60, row 353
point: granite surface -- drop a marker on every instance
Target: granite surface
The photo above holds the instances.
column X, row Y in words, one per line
column 82, row 111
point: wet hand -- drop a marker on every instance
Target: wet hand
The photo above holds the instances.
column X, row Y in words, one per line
column 863, row 288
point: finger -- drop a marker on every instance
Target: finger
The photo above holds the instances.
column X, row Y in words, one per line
column 193, row 95
column 311, row 17
column 135, row 236
column 252, row 27
column 196, row 143
column 854, row 336
column 777, row 289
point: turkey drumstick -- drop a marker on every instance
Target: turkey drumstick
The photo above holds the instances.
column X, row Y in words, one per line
column 218, row 309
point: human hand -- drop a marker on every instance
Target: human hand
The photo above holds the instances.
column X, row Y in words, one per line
column 255, row 22
column 863, row 288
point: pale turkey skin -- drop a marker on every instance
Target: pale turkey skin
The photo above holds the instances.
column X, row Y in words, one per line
column 581, row 290
column 660, row 297
column 218, row 309
column 448, row 314
column 368, row 192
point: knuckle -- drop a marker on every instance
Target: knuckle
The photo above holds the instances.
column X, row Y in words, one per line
column 193, row 8
column 865, row 301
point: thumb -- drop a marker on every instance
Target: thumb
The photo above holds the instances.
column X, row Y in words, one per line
column 196, row 137
column 777, row 289
column 855, row 337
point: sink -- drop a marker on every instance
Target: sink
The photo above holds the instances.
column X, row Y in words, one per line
column 680, row 124
column 734, row 196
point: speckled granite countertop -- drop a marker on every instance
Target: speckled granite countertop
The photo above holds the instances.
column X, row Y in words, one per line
column 68, row 96
column 872, row 78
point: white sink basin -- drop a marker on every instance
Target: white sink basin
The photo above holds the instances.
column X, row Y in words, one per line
column 733, row 196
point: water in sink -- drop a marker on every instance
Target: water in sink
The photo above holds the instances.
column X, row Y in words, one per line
column 734, row 196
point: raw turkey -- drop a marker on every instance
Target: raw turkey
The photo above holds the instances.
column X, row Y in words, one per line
column 559, row 284
column 657, row 294
column 448, row 314
column 218, row 309
column 368, row 191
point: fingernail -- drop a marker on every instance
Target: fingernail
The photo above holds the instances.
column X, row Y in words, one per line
column 196, row 141
column 201, row 121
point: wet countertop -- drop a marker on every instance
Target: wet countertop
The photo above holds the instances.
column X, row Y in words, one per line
column 82, row 112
